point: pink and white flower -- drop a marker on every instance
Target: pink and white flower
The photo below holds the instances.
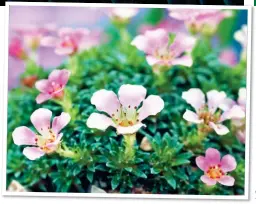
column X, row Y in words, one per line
column 122, row 14
column 159, row 51
column 53, row 87
column 17, row 50
column 48, row 138
column 228, row 57
column 123, row 112
column 216, row 168
column 208, row 115
column 71, row 41
column 241, row 36
column 200, row 20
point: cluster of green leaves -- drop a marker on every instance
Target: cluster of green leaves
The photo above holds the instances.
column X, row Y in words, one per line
column 169, row 168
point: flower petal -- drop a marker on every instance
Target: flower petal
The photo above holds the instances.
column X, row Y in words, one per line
column 33, row 153
column 228, row 163
column 208, row 181
column 201, row 163
column 131, row 95
column 140, row 42
column 242, row 97
column 59, row 76
column 106, row 101
column 42, row 85
column 219, row 128
column 195, row 97
column 190, row 116
column 23, row 136
column 227, row 104
column 185, row 60
column 99, row 121
column 64, row 50
column 227, row 180
column 241, row 136
column 212, row 156
column 41, row 119
column 42, row 97
column 152, row 60
column 236, row 113
column 151, row 106
column 60, row 122
column 49, row 41
column 215, row 99
column 129, row 130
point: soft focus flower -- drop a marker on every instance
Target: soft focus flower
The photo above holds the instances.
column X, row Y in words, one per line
column 203, row 21
column 216, row 168
column 123, row 112
column 228, row 57
column 48, row 138
column 159, row 51
column 71, row 41
column 15, row 186
column 32, row 35
column 145, row 144
column 238, row 122
column 122, row 14
column 16, row 49
column 209, row 114
column 53, row 87
column 241, row 36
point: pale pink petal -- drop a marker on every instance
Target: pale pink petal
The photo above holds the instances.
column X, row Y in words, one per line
column 208, row 181
column 195, row 97
column 219, row 128
column 59, row 76
column 190, row 116
column 131, row 95
column 99, row 121
column 227, row 180
column 212, row 156
column 41, row 119
column 23, row 136
column 242, row 97
column 152, row 60
column 33, row 153
column 65, row 31
column 129, row 130
column 227, row 104
column 151, row 106
column 49, row 41
column 42, row 97
column 201, row 163
column 64, row 51
column 140, row 42
column 236, row 113
column 215, row 99
column 228, row 163
column 185, row 60
column 106, row 101
column 60, row 122
column 241, row 136
column 182, row 43
column 42, row 85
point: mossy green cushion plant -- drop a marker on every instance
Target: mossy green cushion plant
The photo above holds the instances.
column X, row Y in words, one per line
column 159, row 135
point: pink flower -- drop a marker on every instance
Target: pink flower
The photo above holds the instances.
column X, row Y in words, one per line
column 159, row 51
column 123, row 112
column 209, row 114
column 216, row 168
column 71, row 41
column 48, row 138
column 241, row 36
column 53, row 87
column 122, row 14
column 16, row 49
column 203, row 20
column 228, row 57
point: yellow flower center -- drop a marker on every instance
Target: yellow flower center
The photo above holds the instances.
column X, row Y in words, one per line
column 43, row 141
column 126, row 117
column 215, row 172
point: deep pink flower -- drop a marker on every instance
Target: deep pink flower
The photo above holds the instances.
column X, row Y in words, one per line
column 53, row 87
column 159, row 51
column 122, row 111
column 228, row 57
column 200, row 20
column 71, row 41
column 216, row 168
column 49, row 137
column 16, row 49
column 209, row 114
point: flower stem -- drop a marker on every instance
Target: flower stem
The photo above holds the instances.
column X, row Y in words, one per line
column 64, row 151
column 129, row 141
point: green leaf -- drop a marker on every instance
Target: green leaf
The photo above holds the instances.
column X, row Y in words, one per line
column 89, row 176
column 170, row 180
column 115, row 181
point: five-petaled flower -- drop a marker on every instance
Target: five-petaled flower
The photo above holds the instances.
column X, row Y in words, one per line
column 216, row 168
column 241, row 37
column 71, row 41
column 123, row 112
column 208, row 115
column 159, row 50
column 17, row 50
column 49, row 137
column 203, row 21
column 53, row 87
